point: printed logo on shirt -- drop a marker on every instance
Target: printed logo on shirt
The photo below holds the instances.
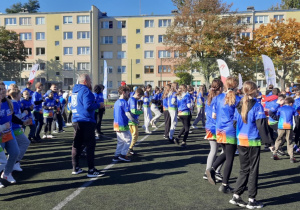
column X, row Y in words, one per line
column 74, row 99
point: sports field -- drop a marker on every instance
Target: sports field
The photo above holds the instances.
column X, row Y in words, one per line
column 161, row 176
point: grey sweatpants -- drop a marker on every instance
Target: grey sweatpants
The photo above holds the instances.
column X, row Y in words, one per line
column 23, row 144
column 212, row 155
column 3, row 160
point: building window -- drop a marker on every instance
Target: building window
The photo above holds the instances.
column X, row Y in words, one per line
column 148, row 69
column 68, row 81
column 163, row 83
column 68, row 35
column 164, row 54
column 262, row 19
column 106, row 39
column 109, row 69
column 244, row 20
column 68, row 50
column 164, row 22
column 28, row 51
column 161, row 38
column 149, row 23
column 119, row 83
column 177, row 54
column 42, row 66
column 26, row 66
column 83, row 50
column 83, row 35
column 278, row 17
column 83, row 66
column 196, row 83
column 149, row 83
column 68, row 66
column 121, row 39
column 137, row 61
column 138, row 31
column 137, row 46
column 10, row 21
column 68, row 19
column 25, row 36
column 110, row 84
column 83, row 19
column 40, row 51
column 121, row 69
column 137, row 76
column 121, row 54
column 40, row 21
column 56, row 43
column 56, row 58
column 149, row 54
column 56, row 28
column 25, row 21
column 107, row 24
column 149, row 39
column 245, row 34
column 122, row 24
column 40, row 35
column 107, row 55
column 41, row 80
column 164, row 69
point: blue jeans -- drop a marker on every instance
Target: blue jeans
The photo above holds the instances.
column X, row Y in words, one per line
column 13, row 151
column 39, row 121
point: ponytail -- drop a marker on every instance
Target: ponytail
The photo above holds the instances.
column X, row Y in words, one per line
column 244, row 113
column 215, row 90
column 230, row 98
column 232, row 83
column 249, row 89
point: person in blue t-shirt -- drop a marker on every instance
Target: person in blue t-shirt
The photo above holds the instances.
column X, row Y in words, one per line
column 37, row 101
column 122, row 116
column 49, row 105
column 155, row 102
column 297, row 121
column 285, row 115
column 26, row 104
column 200, row 108
column 28, row 88
column 173, row 109
column 269, row 91
column 69, row 110
column 98, row 93
column 147, row 110
column 167, row 117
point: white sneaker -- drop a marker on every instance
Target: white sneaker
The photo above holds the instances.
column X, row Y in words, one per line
column 148, row 132
column 8, row 178
column 1, row 185
column 49, row 136
column 194, row 127
column 44, row 137
column 69, row 124
column 17, row 167
column 55, row 131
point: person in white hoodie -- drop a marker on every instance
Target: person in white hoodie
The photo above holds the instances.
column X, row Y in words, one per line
column 173, row 109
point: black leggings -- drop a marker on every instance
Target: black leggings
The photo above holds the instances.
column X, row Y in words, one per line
column 186, row 121
column 167, row 123
column 69, row 117
column 98, row 118
column 228, row 155
column 48, row 125
column 297, row 130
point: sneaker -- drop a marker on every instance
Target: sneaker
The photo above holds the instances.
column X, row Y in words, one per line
column 219, row 176
column 293, row 160
column 166, row 137
column 131, row 152
column 77, row 171
column 280, row 152
column 183, row 145
column 61, row 131
column 55, row 131
column 238, row 201
column 8, row 178
column 190, row 131
column 194, row 127
column 17, row 167
column 254, row 205
column 97, row 137
column 237, row 152
column 44, row 137
column 1, row 185
column 49, row 136
column 94, row 173
column 69, row 124
column 176, row 141
column 205, row 176
column 275, row 157
column 266, row 148
column 148, row 132
column 226, row 189
column 124, row 158
column 115, row 159
column 211, row 176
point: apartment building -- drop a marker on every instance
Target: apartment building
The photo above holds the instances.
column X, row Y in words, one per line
column 66, row 44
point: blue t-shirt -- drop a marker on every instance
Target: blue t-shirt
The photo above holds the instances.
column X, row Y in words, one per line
column 210, row 125
column 49, row 103
column 200, row 100
column 120, row 118
column 30, row 91
column 146, row 100
column 6, row 116
column 248, row 134
column 132, row 103
column 171, row 98
column 272, row 106
column 37, row 97
column 225, row 131
column 165, row 104
column 286, row 114
column 25, row 105
column 183, row 103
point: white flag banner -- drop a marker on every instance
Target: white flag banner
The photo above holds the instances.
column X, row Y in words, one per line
column 240, row 82
column 224, row 70
column 105, row 80
column 269, row 70
column 33, row 71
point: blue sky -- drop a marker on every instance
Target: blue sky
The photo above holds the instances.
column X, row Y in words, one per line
column 129, row 7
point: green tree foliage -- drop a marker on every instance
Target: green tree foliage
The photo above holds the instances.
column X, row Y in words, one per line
column 12, row 52
column 287, row 4
column 203, row 30
column 32, row 6
column 184, row 78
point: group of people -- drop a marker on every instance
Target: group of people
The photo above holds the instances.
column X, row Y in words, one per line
column 235, row 121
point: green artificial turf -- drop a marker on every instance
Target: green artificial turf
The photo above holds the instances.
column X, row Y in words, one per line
column 161, row 176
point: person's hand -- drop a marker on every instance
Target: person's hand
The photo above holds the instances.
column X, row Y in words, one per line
column 7, row 125
column 26, row 112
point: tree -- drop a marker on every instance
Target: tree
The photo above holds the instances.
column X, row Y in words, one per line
column 184, row 78
column 32, row 6
column 287, row 4
column 204, row 30
column 12, row 52
column 280, row 40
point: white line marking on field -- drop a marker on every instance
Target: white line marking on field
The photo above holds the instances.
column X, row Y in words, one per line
column 85, row 185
